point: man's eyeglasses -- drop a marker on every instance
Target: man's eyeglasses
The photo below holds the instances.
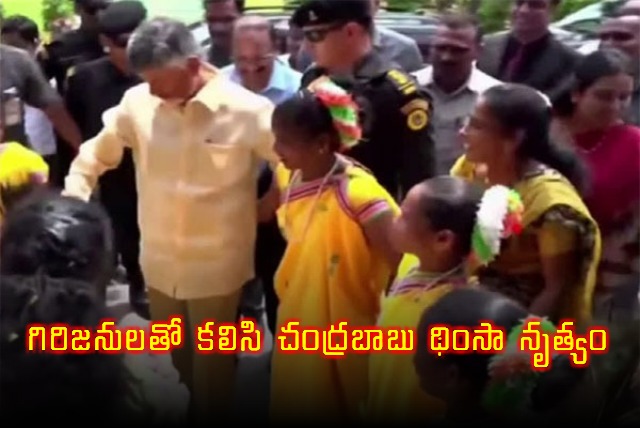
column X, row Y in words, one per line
column 316, row 35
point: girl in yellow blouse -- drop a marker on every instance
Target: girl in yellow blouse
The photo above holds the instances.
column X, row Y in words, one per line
column 338, row 262
column 550, row 268
column 442, row 220
column 21, row 171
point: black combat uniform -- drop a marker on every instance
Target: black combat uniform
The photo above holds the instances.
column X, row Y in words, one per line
column 67, row 51
column 93, row 88
column 62, row 55
column 397, row 146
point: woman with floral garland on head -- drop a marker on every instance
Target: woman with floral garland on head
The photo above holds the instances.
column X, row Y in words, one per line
column 550, row 268
column 335, row 218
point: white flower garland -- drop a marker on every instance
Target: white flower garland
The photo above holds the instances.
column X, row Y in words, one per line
column 493, row 209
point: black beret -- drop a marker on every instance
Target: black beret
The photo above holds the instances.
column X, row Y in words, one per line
column 317, row 12
column 121, row 17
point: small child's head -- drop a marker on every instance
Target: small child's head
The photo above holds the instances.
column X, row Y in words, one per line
column 59, row 237
column 437, row 217
column 314, row 124
column 445, row 218
column 500, row 384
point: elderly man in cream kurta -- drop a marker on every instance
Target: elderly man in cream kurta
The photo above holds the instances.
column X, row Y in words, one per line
column 197, row 140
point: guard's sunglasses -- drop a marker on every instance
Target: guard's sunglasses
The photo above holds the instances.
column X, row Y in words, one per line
column 316, row 35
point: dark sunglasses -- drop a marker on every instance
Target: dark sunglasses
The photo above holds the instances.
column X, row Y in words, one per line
column 616, row 36
column 533, row 4
column 319, row 34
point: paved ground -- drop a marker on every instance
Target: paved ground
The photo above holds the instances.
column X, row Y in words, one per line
column 252, row 383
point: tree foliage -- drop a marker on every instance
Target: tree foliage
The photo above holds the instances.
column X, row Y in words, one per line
column 55, row 9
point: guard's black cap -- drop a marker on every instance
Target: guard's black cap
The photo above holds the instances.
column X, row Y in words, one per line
column 318, row 12
column 121, row 17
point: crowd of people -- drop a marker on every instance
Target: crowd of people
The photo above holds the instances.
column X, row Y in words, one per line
column 341, row 181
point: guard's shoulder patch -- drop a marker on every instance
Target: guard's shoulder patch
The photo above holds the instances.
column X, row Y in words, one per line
column 402, row 82
column 417, row 112
column 415, row 104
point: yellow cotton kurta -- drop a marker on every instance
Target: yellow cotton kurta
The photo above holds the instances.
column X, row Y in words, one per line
column 395, row 396
column 196, row 169
column 556, row 221
column 327, row 275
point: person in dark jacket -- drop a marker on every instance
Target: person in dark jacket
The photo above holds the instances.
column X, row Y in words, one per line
column 92, row 89
column 529, row 53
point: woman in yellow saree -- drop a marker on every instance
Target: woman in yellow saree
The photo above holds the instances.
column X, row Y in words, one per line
column 551, row 267
column 338, row 262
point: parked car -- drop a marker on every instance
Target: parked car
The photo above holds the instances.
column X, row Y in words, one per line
column 587, row 20
column 570, row 38
column 420, row 28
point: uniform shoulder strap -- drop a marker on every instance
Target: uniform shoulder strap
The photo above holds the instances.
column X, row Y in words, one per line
column 403, row 82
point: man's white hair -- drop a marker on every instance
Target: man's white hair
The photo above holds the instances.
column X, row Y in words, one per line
column 160, row 42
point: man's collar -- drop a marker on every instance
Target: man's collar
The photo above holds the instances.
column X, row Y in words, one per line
column 209, row 95
column 478, row 81
column 278, row 76
column 377, row 38
column 370, row 65
column 278, row 80
column 536, row 44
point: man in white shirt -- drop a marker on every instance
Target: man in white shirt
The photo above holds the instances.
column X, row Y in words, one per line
column 256, row 67
column 454, row 83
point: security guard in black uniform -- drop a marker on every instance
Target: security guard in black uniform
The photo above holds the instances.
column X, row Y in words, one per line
column 66, row 52
column 397, row 145
column 76, row 46
column 93, row 88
